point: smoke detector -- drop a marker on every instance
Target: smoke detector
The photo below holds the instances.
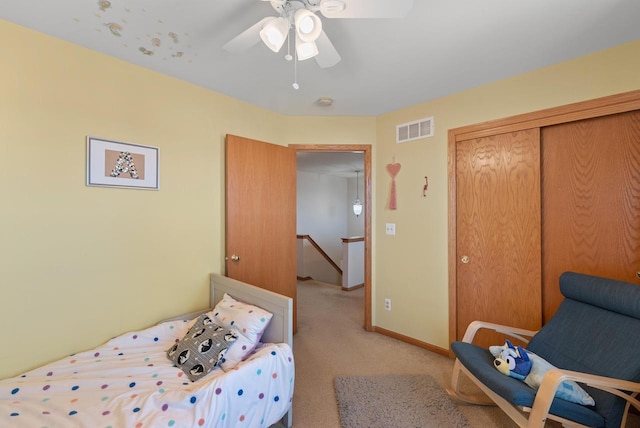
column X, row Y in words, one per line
column 324, row 101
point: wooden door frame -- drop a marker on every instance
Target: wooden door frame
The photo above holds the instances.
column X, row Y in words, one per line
column 366, row 150
column 619, row 103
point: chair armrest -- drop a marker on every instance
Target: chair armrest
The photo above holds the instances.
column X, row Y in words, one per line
column 554, row 377
column 515, row 332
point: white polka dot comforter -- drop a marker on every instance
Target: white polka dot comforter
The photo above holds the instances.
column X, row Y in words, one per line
column 129, row 382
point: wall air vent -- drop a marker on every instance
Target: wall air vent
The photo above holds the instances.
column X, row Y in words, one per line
column 410, row 131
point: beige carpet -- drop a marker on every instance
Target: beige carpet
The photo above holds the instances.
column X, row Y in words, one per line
column 331, row 342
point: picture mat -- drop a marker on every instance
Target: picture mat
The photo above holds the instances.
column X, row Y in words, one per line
column 98, row 172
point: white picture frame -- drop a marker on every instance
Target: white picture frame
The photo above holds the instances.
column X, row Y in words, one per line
column 118, row 164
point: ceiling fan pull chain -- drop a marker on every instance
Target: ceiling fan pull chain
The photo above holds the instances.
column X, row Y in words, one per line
column 295, row 72
column 288, row 56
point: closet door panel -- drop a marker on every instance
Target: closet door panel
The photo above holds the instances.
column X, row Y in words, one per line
column 591, row 200
column 498, row 231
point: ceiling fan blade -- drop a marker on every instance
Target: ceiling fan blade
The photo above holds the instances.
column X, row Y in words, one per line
column 247, row 38
column 368, row 9
column 327, row 56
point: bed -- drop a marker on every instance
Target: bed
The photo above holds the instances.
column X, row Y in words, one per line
column 130, row 382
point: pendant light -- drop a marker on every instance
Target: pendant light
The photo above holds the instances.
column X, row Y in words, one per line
column 357, row 204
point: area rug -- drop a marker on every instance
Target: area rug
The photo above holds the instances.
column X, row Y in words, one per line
column 395, row 401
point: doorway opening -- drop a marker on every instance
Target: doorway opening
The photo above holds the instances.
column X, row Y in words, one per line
column 350, row 154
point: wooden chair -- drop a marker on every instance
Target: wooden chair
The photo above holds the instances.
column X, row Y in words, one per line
column 593, row 339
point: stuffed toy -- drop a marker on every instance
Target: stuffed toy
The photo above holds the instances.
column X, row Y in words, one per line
column 511, row 360
column 524, row 365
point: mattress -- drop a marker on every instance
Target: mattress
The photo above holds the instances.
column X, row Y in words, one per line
column 129, row 382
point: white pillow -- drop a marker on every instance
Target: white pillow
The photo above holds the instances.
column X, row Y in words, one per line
column 248, row 320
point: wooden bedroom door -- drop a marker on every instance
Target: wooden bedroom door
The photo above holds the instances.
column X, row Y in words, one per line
column 261, row 215
column 498, row 232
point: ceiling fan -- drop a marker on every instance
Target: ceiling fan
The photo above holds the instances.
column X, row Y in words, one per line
column 300, row 18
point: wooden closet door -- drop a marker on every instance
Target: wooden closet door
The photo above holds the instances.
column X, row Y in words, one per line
column 591, row 201
column 498, row 232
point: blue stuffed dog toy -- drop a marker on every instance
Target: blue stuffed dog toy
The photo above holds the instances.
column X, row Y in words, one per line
column 511, row 360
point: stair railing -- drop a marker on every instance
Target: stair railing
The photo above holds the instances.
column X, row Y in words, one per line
column 321, row 251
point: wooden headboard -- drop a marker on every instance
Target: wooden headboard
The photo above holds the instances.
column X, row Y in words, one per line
column 280, row 328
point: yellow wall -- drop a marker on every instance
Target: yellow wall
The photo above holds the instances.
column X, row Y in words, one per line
column 81, row 264
column 411, row 267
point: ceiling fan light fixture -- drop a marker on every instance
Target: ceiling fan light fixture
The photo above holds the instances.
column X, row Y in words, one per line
column 305, row 50
column 332, row 6
column 308, row 25
column 274, row 33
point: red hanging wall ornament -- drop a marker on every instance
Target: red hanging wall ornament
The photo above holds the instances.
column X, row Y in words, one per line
column 426, row 186
column 393, row 169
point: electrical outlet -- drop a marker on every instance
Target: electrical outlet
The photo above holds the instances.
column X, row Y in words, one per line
column 391, row 228
column 387, row 304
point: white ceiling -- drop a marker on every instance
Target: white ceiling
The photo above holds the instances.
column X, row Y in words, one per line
column 440, row 47
column 338, row 164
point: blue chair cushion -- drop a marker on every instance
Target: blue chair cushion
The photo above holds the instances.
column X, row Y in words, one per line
column 624, row 299
column 479, row 362
column 593, row 331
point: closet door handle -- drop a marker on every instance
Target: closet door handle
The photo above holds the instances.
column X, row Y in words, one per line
column 464, row 259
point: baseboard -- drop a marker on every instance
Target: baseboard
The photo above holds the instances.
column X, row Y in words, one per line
column 412, row 341
column 304, row 278
column 355, row 287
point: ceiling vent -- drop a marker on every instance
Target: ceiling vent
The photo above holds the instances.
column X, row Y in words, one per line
column 410, row 131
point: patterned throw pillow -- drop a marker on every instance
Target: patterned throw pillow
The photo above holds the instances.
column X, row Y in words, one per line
column 201, row 348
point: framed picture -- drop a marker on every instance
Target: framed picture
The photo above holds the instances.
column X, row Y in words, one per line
column 116, row 164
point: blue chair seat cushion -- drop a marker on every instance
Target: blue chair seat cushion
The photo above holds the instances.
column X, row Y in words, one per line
column 479, row 362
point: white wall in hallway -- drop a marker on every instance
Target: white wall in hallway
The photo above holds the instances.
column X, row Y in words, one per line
column 321, row 213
